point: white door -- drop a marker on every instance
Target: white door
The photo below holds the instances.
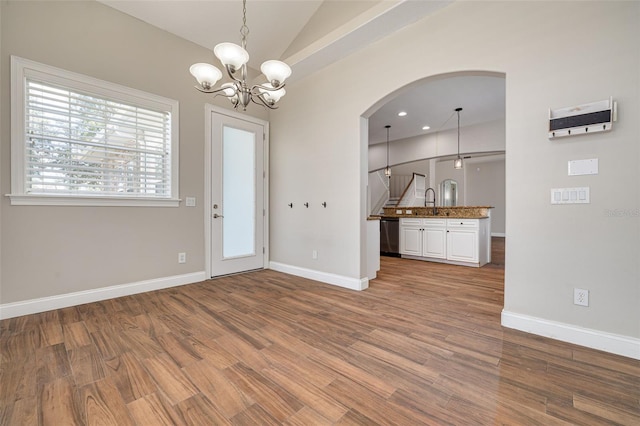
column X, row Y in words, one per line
column 237, row 194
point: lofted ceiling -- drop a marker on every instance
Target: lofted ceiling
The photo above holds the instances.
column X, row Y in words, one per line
column 273, row 24
column 311, row 34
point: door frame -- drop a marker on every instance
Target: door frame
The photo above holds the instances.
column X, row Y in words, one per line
column 209, row 110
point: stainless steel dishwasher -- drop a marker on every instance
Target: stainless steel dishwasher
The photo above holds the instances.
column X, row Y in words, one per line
column 390, row 236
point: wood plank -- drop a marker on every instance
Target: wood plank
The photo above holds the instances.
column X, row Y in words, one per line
column 422, row 345
column 279, row 403
column 59, row 403
column 307, row 393
column 182, row 353
column 52, row 363
column 130, row 377
column 220, row 390
column 605, row 411
column 199, row 410
column 76, row 335
column 102, row 405
column 154, row 410
column 306, row 416
column 24, row 412
column 170, row 378
column 87, row 365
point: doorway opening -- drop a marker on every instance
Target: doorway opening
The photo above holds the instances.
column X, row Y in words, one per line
column 427, row 145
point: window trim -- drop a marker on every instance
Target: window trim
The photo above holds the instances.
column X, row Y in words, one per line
column 21, row 69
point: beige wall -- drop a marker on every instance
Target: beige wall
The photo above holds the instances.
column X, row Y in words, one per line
column 57, row 250
column 485, row 186
column 478, row 138
column 318, row 150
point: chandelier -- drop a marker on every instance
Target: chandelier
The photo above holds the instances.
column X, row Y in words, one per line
column 234, row 59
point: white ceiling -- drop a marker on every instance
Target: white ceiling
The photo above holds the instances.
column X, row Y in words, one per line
column 482, row 99
column 274, row 24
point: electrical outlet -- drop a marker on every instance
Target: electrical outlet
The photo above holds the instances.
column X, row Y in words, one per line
column 314, row 254
column 580, row 297
column 182, row 257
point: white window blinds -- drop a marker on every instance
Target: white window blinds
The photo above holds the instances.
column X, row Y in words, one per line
column 80, row 143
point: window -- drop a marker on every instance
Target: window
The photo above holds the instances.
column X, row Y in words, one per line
column 77, row 140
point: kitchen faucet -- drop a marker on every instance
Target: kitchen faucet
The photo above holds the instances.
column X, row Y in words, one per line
column 435, row 210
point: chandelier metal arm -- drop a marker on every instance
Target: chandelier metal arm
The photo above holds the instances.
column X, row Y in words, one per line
column 270, row 89
column 262, row 102
column 214, row 91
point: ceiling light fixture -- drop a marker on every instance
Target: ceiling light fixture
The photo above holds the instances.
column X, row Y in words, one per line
column 425, row 127
column 402, row 113
column 234, row 59
column 387, row 170
column 457, row 163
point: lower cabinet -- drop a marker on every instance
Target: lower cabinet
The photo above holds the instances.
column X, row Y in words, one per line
column 423, row 237
column 459, row 241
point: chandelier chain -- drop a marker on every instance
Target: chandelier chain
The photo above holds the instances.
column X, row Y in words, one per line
column 244, row 30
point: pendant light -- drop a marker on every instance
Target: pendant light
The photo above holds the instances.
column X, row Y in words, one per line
column 457, row 163
column 387, row 170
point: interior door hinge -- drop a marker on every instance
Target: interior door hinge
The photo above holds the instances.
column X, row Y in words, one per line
column 262, row 250
column 263, row 212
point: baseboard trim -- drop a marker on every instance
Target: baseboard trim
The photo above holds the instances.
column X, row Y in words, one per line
column 498, row 234
column 43, row 304
column 325, row 277
column 608, row 342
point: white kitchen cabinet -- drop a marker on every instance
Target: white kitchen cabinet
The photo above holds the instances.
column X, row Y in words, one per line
column 458, row 241
column 411, row 237
column 434, row 238
column 462, row 240
column 423, row 237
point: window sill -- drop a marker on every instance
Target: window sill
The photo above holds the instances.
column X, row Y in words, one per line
column 87, row 201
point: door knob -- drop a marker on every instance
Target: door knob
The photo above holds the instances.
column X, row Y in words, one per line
column 216, row 215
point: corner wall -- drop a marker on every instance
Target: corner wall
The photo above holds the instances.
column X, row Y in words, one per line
column 317, row 147
column 68, row 253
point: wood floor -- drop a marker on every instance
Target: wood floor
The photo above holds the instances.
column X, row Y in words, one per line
column 423, row 345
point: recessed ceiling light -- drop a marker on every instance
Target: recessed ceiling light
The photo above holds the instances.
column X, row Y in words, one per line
column 425, row 127
column 402, row 113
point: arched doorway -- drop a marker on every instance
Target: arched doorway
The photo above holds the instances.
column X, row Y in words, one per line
column 423, row 138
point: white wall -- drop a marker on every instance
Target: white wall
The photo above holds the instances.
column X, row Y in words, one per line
column 319, row 150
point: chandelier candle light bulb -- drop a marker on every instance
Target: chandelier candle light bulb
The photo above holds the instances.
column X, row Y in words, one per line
column 234, row 58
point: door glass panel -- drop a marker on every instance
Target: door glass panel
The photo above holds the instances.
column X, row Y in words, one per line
column 238, row 192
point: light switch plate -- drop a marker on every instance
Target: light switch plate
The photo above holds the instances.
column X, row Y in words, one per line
column 191, row 201
column 570, row 195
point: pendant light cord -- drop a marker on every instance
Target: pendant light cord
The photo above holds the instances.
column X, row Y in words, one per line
column 458, row 132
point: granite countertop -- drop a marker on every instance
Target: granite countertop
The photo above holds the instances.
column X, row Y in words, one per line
column 458, row 212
